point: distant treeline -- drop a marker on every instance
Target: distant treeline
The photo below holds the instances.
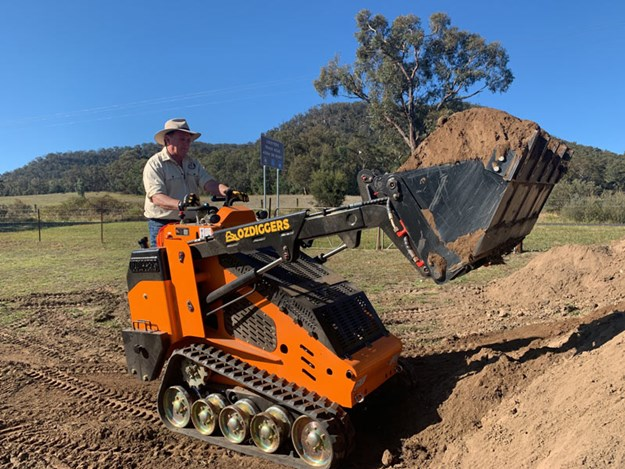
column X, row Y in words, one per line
column 324, row 150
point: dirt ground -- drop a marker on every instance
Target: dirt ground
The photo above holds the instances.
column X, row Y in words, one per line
column 523, row 372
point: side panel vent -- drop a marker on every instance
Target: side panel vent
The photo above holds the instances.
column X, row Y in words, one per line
column 251, row 325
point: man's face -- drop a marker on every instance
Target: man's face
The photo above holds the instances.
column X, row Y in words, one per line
column 178, row 143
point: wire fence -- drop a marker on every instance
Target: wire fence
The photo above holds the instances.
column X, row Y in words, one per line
column 40, row 219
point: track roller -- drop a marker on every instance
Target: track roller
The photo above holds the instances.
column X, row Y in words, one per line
column 205, row 413
column 256, row 413
column 234, row 420
column 312, row 442
column 270, row 429
column 177, row 406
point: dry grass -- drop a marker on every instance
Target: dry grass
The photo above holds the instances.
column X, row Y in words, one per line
column 287, row 202
column 70, row 258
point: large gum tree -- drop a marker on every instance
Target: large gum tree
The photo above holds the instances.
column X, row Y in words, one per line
column 404, row 73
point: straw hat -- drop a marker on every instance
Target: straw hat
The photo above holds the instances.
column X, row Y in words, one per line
column 172, row 125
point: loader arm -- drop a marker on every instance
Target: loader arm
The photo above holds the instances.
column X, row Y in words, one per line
column 289, row 233
column 446, row 220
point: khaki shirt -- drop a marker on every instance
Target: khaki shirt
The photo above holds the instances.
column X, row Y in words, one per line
column 162, row 175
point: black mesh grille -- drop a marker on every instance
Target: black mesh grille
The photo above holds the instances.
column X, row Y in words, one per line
column 348, row 319
column 337, row 314
column 302, row 271
column 302, row 314
column 251, row 325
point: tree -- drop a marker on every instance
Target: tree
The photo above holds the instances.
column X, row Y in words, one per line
column 300, row 171
column 615, row 173
column 404, row 73
column 329, row 187
column 567, row 192
column 80, row 187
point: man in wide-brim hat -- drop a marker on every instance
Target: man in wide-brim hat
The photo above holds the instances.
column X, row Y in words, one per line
column 174, row 125
column 170, row 175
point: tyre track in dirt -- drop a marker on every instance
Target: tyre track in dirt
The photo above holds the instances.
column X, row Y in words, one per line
column 130, row 403
column 95, row 402
column 26, row 450
column 63, row 334
column 45, row 442
column 47, row 439
column 51, row 356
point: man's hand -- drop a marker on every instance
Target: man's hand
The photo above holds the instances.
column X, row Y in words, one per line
column 189, row 200
column 232, row 194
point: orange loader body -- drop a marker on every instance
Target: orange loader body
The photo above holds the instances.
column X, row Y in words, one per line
column 174, row 307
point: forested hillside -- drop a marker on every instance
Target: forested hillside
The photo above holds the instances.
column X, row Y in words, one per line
column 324, row 148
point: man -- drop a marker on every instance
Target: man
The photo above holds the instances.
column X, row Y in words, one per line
column 170, row 177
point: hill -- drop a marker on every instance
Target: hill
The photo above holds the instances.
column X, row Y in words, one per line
column 326, row 140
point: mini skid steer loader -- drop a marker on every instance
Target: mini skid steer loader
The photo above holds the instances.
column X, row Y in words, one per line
column 263, row 350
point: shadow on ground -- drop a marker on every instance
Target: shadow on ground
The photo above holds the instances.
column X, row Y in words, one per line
column 408, row 404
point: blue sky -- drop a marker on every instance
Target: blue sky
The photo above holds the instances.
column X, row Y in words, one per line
column 84, row 75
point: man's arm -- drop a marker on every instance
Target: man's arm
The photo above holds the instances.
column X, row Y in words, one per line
column 165, row 202
column 169, row 203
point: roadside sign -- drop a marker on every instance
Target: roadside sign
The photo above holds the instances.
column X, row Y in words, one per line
column 271, row 153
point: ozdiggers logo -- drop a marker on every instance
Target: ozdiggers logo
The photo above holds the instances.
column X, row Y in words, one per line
column 260, row 229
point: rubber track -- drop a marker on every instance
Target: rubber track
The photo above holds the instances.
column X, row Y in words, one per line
column 299, row 400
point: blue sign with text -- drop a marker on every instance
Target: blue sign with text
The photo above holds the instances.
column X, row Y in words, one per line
column 271, row 153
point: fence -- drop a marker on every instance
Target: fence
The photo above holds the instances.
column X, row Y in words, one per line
column 40, row 219
column 123, row 227
column 37, row 219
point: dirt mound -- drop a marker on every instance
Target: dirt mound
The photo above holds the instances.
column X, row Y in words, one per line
column 472, row 134
column 552, row 402
column 568, row 277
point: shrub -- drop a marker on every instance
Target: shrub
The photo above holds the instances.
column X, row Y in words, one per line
column 92, row 208
column 565, row 192
column 18, row 211
column 329, row 187
column 607, row 208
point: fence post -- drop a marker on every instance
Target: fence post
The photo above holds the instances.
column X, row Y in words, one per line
column 102, row 227
column 39, row 223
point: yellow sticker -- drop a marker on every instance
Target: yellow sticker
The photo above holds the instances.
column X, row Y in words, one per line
column 251, row 231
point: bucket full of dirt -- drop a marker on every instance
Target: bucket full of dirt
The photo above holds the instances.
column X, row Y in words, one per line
column 474, row 188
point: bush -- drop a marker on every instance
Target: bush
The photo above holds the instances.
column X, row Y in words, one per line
column 18, row 211
column 85, row 208
column 329, row 187
column 607, row 208
column 564, row 192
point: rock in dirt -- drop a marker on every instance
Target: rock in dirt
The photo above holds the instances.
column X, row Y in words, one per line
column 387, row 458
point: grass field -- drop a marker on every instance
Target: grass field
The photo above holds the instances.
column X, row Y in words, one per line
column 49, row 200
column 286, row 201
column 71, row 258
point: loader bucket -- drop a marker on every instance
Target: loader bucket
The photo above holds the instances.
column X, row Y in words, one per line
column 462, row 215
